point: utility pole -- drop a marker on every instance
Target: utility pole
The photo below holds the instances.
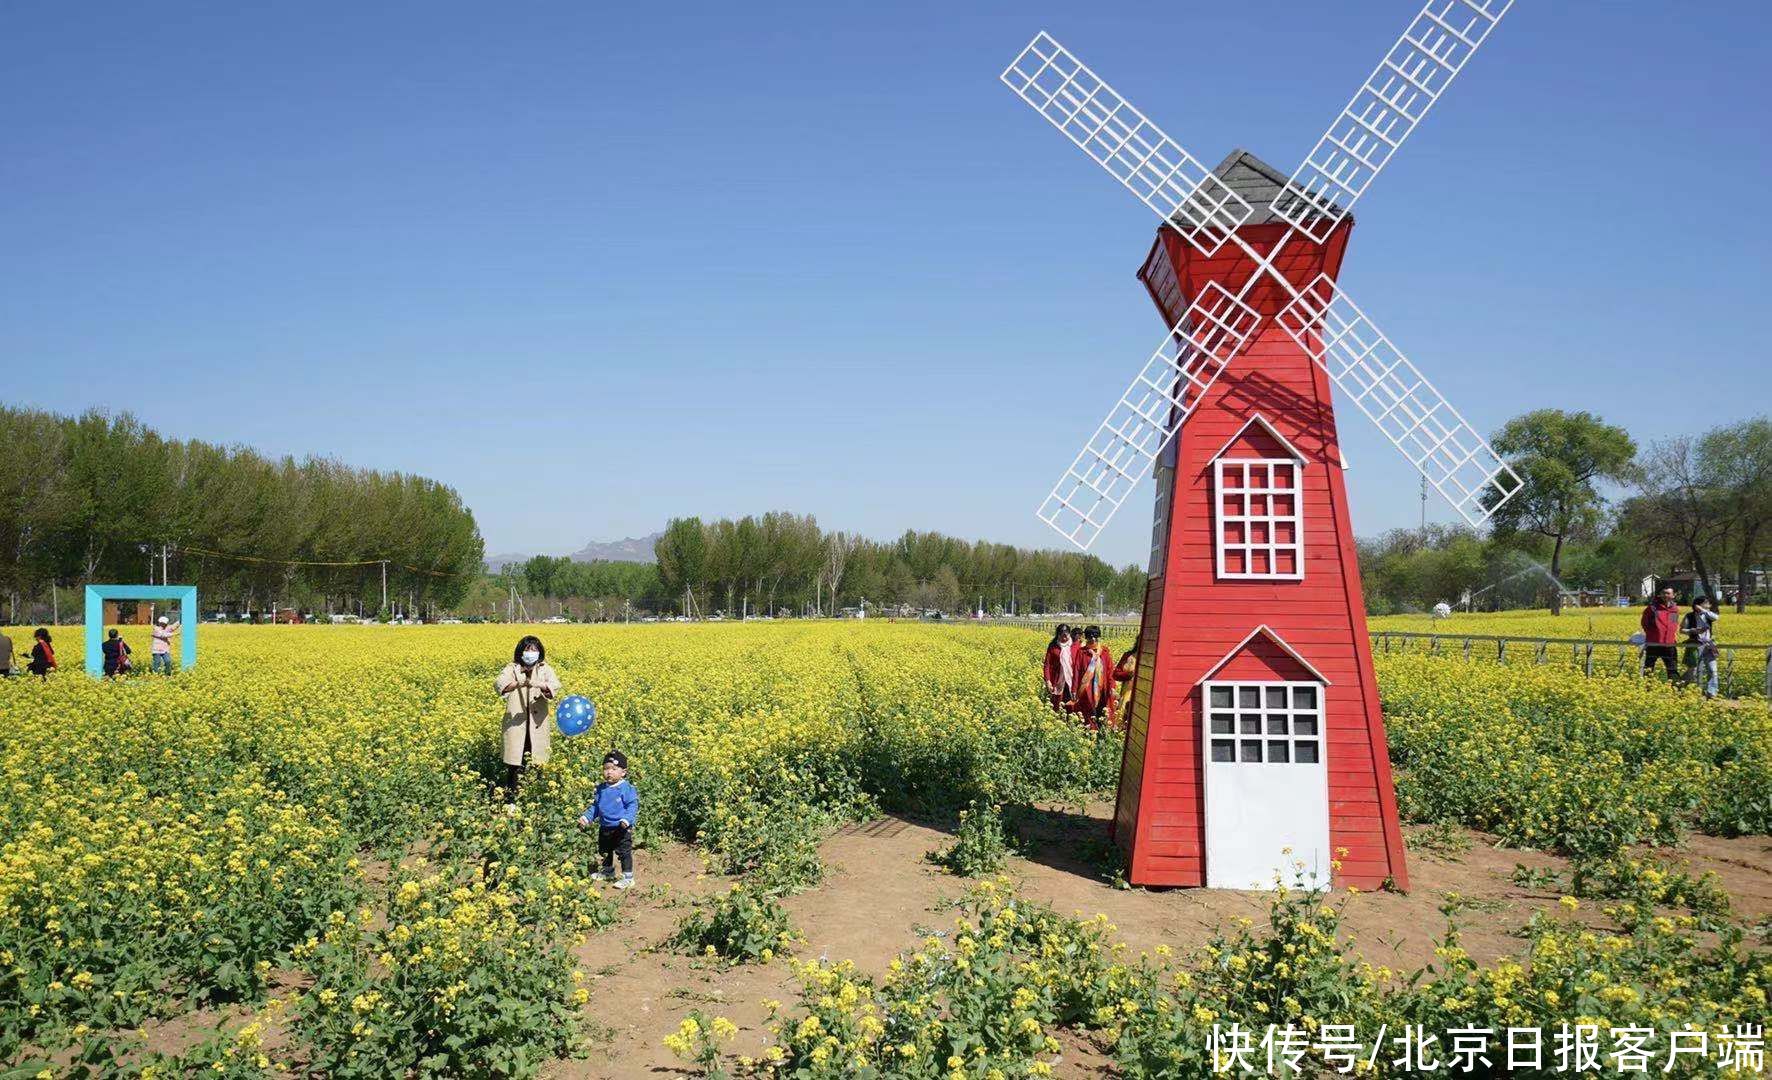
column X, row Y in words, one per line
column 163, row 578
column 1424, row 505
column 384, row 585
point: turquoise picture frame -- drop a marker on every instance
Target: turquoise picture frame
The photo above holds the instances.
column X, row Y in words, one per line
column 96, row 595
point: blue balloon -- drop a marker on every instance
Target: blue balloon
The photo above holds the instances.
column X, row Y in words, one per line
column 575, row 715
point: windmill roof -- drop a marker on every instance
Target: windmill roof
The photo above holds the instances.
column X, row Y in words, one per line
column 1255, row 180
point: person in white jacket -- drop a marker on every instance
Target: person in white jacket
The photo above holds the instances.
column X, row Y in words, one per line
column 527, row 684
column 1701, row 645
column 160, row 662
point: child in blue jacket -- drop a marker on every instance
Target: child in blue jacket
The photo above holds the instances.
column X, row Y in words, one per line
column 614, row 811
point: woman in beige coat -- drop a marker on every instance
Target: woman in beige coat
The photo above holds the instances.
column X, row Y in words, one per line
column 527, row 684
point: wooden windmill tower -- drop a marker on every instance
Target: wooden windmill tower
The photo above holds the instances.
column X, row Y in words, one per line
column 1256, row 747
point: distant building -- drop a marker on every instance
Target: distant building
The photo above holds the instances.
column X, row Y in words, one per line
column 1686, row 584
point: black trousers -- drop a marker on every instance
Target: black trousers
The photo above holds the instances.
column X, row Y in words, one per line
column 1664, row 654
column 618, row 841
column 514, row 773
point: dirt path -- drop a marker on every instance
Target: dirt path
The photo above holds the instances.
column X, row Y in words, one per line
column 879, row 896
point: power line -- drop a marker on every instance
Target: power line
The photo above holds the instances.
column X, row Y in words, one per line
column 315, row 562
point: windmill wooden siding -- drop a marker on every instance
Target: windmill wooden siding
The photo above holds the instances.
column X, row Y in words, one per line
column 1194, row 618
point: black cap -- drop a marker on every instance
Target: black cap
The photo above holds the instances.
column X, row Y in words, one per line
column 616, row 757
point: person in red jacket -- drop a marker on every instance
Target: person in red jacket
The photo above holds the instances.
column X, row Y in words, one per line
column 1061, row 669
column 1095, row 680
column 1661, row 633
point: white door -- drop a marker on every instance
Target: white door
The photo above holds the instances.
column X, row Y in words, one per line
column 1267, row 785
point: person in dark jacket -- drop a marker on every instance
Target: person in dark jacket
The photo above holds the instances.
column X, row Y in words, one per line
column 116, row 652
column 5, row 655
column 42, row 654
column 1661, row 634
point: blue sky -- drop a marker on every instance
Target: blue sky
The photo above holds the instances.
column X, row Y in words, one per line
column 597, row 265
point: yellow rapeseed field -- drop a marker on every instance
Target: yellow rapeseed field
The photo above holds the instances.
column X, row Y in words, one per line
column 173, row 841
column 302, row 826
column 1591, row 639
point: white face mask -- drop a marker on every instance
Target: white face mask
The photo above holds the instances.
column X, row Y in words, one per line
column 530, row 656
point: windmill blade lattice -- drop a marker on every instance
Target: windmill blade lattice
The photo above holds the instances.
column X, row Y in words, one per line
column 1407, row 82
column 1412, row 414
column 1209, row 335
column 1123, row 141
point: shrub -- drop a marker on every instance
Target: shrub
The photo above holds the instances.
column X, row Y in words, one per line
column 455, row 983
column 774, row 844
column 697, row 1040
column 980, row 843
column 741, row 924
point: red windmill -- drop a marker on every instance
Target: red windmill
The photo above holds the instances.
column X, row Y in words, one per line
column 1256, row 747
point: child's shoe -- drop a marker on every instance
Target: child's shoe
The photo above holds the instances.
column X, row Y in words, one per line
column 602, row 875
column 626, row 882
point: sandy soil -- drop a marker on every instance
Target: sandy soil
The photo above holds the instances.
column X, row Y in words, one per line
column 879, row 892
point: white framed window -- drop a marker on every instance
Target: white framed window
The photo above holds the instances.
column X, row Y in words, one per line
column 1258, row 504
column 1278, row 723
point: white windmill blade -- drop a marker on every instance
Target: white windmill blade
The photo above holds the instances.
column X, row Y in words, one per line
column 1202, row 343
column 1122, row 140
column 1412, row 414
column 1412, row 75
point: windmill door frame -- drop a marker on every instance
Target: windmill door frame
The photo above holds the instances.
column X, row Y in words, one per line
column 1265, row 766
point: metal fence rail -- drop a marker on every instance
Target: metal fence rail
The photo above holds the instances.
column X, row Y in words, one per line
column 1742, row 670
column 1110, row 626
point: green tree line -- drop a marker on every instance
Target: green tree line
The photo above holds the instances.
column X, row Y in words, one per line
column 1598, row 513
column 99, row 498
column 779, row 560
column 102, row 498
column 782, row 561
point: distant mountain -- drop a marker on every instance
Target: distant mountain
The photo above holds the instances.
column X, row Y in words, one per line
column 637, row 549
column 632, row 549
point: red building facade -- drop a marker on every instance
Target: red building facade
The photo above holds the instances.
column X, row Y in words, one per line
column 1255, row 742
